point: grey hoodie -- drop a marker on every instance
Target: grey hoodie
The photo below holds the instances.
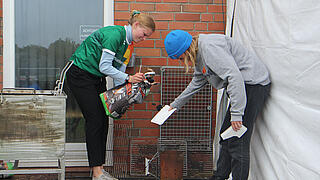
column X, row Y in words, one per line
column 224, row 63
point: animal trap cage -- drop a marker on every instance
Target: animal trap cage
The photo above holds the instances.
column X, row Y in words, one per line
column 192, row 123
column 187, row 132
column 32, row 128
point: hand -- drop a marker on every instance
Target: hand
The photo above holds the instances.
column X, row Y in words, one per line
column 170, row 108
column 236, row 125
column 138, row 77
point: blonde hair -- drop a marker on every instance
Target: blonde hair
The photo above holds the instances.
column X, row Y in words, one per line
column 191, row 53
column 144, row 19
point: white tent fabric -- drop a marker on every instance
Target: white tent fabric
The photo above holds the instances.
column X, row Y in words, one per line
column 285, row 34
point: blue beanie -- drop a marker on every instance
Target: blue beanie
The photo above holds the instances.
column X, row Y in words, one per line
column 177, row 42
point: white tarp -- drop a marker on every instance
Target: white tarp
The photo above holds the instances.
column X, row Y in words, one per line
column 286, row 36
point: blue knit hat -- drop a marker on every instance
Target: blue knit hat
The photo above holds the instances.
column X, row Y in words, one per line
column 177, row 42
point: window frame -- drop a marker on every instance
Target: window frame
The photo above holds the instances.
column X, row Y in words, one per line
column 9, row 76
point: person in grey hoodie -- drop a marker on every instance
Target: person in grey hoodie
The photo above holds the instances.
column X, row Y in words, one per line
column 224, row 63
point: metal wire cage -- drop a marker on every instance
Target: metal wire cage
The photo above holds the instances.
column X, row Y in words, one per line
column 192, row 123
column 194, row 120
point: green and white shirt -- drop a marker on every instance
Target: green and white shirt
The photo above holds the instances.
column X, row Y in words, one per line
column 110, row 39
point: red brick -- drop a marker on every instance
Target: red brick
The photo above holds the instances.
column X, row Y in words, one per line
column 206, row 17
column 147, row 52
column 181, row 25
column 159, row 43
column 175, row 1
column 142, row 7
column 146, row 140
column 121, row 23
column 144, row 124
column 148, row 0
column 155, row 35
column 216, row 26
column 121, row 121
column 161, row 25
column 157, row 78
column 219, row 17
column 122, row 0
column 200, row 26
column 121, row 15
column 162, row 16
column 164, row 52
column 153, row 61
column 220, row 32
column 150, row 132
column 174, row 62
column 201, row 1
column 194, row 8
column 168, row 7
column 153, row 105
column 216, row 8
column 156, row 96
column 145, row 43
column 187, row 17
column 121, row 6
column 142, row 106
column 219, row 1
column 164, row 34
column 139, row 114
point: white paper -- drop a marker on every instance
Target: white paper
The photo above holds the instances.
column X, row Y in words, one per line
column 162, row 115
column 230, row 132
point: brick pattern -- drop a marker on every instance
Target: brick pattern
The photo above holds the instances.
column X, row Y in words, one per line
column 194, row 16
column 1, row 44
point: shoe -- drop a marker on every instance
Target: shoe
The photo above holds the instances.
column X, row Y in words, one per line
column 101, row 177
column 108, row 175
column 104, row 177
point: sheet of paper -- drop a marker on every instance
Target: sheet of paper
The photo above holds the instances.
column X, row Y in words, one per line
column 162, row 115
column 230, row 132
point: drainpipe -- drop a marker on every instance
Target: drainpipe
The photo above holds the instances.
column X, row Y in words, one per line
column 8, row 44
column 108, row 20
column 108, row 16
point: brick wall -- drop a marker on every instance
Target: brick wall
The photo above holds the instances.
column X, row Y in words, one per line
column 194, row 16
column 1, row 45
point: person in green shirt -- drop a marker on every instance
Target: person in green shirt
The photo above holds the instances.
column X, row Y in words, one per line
column 106, row 52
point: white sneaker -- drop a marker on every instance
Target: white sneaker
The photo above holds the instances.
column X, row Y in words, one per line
column 101, row 177
column 108, row 175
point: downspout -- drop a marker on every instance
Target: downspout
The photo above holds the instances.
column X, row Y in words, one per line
column 108, row 20
column 8, row 45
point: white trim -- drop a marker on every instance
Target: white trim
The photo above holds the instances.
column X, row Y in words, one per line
column 8, row 44
column 108, row 51
column 108, row 11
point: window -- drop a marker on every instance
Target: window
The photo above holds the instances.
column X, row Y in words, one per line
column 47, row 32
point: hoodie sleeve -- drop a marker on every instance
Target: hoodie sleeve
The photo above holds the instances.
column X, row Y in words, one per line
column 105, row 66
column 217, row 57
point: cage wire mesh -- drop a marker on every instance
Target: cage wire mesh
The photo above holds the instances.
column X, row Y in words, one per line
column 121, row 151
column 140, row 151
column 192, row 123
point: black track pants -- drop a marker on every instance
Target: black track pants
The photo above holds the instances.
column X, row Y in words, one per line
column 86, row 88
